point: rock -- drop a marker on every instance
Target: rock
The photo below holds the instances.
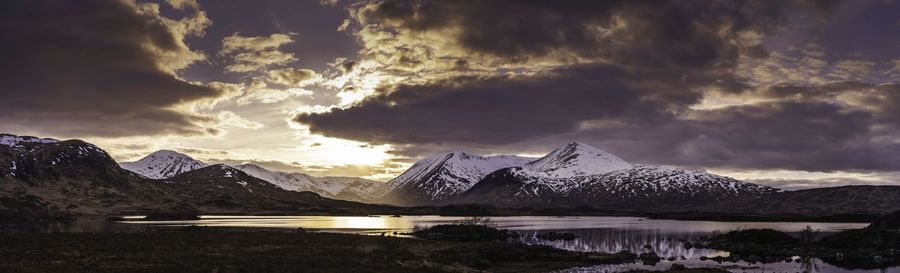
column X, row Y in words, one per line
column 649, row 258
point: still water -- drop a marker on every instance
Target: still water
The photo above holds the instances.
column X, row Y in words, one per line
column 600, row 234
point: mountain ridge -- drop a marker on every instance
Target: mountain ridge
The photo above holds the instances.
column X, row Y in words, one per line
column 48, row 178
column 165, row 164
column 441, row 176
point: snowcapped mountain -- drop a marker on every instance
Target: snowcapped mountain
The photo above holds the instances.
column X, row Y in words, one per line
column 45, row 177
column 573, row 174
column 576, row 159
column 287, row 181
column 351, row 188
column 441, row 176
column 163, row 164
column 637, row 187
column 344, row 188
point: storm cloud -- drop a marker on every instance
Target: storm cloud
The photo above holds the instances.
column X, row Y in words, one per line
column 97, row 68
column 505, row 109
column 643, row 33
column 633, row 77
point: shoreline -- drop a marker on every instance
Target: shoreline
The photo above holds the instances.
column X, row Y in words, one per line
column 507, row 212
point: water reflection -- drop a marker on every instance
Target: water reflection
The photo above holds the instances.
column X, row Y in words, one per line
column 608, row 240
column 805, row 266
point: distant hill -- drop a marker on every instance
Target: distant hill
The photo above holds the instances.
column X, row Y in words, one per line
column 165, row 164
column 47, row 177
column 860, row 199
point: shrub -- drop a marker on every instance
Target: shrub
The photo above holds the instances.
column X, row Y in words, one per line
column 463, row 232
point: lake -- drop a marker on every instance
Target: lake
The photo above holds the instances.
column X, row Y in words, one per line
column 602, row 234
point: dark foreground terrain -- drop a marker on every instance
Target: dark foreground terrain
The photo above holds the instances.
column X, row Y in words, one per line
column 201, row 250
column 873, row 247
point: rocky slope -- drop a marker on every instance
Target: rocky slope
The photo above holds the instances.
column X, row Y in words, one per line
column 45, row 176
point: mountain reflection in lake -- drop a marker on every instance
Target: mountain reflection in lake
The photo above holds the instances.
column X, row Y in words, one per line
column 603, row 234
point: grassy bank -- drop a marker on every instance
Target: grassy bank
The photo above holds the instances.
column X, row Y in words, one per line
column 201, row 250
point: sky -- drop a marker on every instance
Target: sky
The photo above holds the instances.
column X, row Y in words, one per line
column 792, row 94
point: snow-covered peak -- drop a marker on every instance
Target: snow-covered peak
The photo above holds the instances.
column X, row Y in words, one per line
column 332, row 187
column 446, row 174
column 14, row 141
column 576, row 159
column 163, row 164
column 287, row 181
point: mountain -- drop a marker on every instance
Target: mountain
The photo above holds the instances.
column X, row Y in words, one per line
column 858, row 199
column 46, row 177
column 221, row 187
column 166, row 164
column 638, row 187
column 344, row 188
column 352, row 188
column 442, row 176
column 163, row 164
column 287, row 181
column 576, row 159
column 574, row 174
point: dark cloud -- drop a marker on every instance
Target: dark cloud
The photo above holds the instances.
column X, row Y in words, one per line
column 653, row 64
column 812, row 136
column 291, row 77
column 203, row 152
column 505, row 109
column 800, row 184
column 633, row 32
column 93, row 68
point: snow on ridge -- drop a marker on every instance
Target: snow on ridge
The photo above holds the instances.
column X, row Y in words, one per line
column 445, row 174
column 638, row 181
column 286, row 181
column 576, row 159
column 15, row 141
column 326, row 186
column 163, row 164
